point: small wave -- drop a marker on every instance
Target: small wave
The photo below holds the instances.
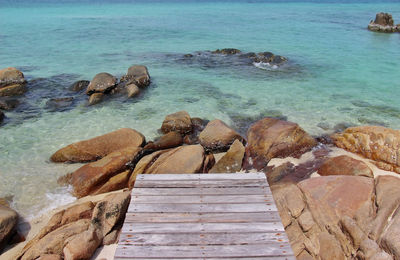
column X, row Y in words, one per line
column 265, row 65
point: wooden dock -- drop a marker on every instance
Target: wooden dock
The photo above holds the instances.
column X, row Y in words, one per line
column 202, row 216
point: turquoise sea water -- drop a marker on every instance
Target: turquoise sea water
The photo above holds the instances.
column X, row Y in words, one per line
column 338, row 74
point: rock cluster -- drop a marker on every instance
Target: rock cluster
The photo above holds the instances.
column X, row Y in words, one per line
column 105, row 84
column 383, row 23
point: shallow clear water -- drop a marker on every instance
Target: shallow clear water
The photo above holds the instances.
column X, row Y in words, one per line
column 338, row 73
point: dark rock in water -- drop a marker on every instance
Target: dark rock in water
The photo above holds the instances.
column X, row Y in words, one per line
column 324, row 126
column 266, row 55
column 8, row 104
column 1, row 116
column 80, row 85
column 188, row 55
column 138, row 75
column 249, row 55
column 59, row 104
column 12, row 90
column 227, row 51
column 278, row 59
column 383, row 23
column 101, row 83
column 340, row 127
column 96, row 98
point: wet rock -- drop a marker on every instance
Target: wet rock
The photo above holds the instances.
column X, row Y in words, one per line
column 54, row 242
column 2, row 116
column 82, row 246
column 119, row 181
column 383, row 23
column 79, row 85
column 101, row 83
column 169, row 140
column 59, row 104
column 8, row 104
column 231, row 161
column 132, row 90
column 91, row 177
column 8, row 222
column 12, row 90
column 179, row 122
column 138, row 75
column 270, row 138
column 218, row 136
column 227, row 51
column 11, row 76
column 98, row 147
column 96, row 98
column 183, row 159
column 110, row 212
column 345, row 165
column 377, row 143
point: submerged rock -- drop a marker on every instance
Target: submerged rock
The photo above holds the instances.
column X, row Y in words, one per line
column 377, row 143
column 100, row 146
column 270, row 138
column 8, row 104
column 218, row 136
column 179, row 122
column 59, row 104
column 101, row 83
column 79, row 85
column 345, row 165
column 227, row 51
column 383, row 23
column 12, row 90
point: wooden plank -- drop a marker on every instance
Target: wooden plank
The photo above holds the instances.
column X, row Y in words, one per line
column 203, row 208
column 173, row 239
column 201, row 191
column 213, row 258
column 158, row 228
column 220, row 176
column 137, row 199
column 199, row 183
column 197, row 251
column 272, row 216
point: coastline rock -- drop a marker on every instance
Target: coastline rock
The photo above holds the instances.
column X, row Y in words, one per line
column 96, row 98
column 377, row 143
column 132, row 90
column 79, row 85
column 390, row 239
column 269, row 57
column 270, row 138
column 138, row 75
column 117, row 182
column 101, row 83
column 2, row 116
column 91, row 177
column 179, row 122
column 8, row 104
column 383, row 23
column 12, row 90
column 8, row 222
column 82, row 246
column 345, row 165
column 232, row 161
column 218, row 136
column 98, row 147
column 59, row 104
column 11, row 76
column 49, row 257
column 169, row 140
column 226, row 51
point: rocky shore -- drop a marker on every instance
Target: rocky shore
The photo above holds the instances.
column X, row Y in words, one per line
column 383, row 23
column 338, row 197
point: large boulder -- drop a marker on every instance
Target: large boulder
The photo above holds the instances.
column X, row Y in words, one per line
column 178, row 122
column 8, row 222
column 231, row 161
column 91, row 177
column 11, row 77
column 101, row 83
column 345, row 165
column 269, row 138
column 218, row 136
column 82, row 246
column 384, row 19
column 100, row 146
column 139, row 74
column 12, row 90
column 169, row 140
column 383, row 23
column 183, row 159
column 377, row 143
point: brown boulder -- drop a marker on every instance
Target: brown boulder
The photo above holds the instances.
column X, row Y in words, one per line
column 374, row 142
column 110, row 212
column 101, row 83
column 8, row 222
column 218, row 136
column 90, row 177
column 117, row 182
column 98, row 147
column 139, row 74
column 169, row 140
column 179, row 122
column 231, row 161
column 345, row 165
column 184, row 159
column 132, row 90
column 11, row 76
column 79, row 85
column 54, row 242
column 96, row 98
column 12, row 90
column 269, row 138
column 384, row 19
column 82, row 246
